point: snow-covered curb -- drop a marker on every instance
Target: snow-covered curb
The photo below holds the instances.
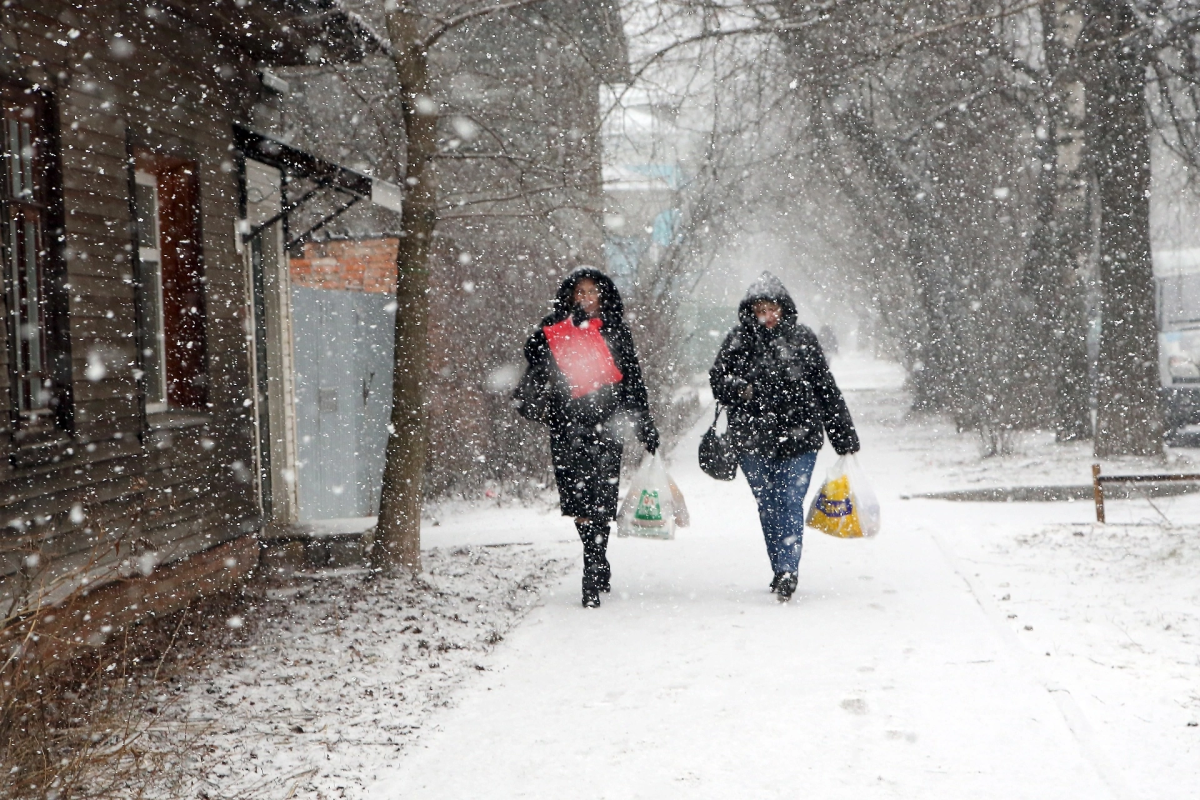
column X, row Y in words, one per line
column 337, row 673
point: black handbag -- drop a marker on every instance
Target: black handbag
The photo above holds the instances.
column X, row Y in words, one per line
column 717, row 456
column 531, row 398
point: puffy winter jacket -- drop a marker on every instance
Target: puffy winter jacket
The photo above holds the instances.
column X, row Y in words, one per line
column 776, row 383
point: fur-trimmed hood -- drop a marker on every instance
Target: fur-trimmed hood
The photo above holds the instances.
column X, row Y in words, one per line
column 767, row 287
column 612, row 310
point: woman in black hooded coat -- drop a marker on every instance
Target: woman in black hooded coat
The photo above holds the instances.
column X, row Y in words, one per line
column 576, row 382
column 772, row 376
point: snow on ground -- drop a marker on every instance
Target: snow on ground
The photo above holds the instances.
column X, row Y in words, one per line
column 336, row 674
column 1106, row 617
column 973, row 650
column 912, row 665
column 1113, row 611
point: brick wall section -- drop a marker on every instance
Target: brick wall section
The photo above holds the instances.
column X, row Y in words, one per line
column 363, row 265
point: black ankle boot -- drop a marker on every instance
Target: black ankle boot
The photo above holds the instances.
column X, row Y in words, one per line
column 597, row 573
column 787, row 586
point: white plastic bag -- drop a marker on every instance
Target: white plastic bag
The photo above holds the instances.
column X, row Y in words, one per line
column 846, row 506
column 682, row 517
column 648, row 510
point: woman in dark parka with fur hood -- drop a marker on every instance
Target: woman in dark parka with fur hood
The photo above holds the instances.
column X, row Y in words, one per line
column 772, row 376
column 582, row 371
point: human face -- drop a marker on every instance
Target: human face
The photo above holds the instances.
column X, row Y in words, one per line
column 768, row 313
column 587, row 296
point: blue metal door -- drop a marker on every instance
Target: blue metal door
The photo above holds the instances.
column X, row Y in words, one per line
column 343, row 354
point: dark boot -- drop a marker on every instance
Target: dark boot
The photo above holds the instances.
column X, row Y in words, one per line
column 775, row 582
column 604, row 570
column 786, row 587
column 597, row 574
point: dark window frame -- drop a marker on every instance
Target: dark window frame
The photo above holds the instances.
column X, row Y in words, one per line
column 34, row 427
column 190, row 394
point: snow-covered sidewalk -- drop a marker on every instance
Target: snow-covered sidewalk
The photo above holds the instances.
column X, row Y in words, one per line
column 325, row 678
column 952, row 657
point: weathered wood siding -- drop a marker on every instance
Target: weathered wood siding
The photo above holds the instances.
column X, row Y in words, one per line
column 123, row 77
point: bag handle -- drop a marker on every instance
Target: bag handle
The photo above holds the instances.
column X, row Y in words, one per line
column 716, row 417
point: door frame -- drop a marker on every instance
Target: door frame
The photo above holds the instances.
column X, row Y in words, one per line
column 272, row 362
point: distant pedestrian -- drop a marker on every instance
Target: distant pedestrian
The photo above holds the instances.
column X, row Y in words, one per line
column 782, row 399
column 582, row 372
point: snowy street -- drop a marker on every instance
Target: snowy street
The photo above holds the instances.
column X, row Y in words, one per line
column 326, row 322
column 1006, row 650
column 935, row 661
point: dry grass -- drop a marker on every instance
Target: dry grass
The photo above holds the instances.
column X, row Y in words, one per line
column 78, row 731
column 120, row 721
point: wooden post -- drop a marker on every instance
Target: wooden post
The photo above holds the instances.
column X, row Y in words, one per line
column 1098, row 492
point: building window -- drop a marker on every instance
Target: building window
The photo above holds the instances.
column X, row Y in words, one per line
column 154, row 349
column 36, row 323
column 171, row 294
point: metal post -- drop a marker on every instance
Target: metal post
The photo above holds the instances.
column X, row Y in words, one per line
column 1098, row 492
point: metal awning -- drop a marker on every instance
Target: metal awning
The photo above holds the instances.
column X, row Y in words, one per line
column 352, row 186
column 284, row 32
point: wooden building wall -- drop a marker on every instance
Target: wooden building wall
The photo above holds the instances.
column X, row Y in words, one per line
column 124, row 77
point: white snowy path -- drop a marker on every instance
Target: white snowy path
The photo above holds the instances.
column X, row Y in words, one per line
column 892, row 673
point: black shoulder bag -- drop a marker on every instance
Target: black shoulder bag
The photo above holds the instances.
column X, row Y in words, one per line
column 717, row 456
column 531, row 398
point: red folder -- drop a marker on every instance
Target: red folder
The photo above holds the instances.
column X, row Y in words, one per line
column 582, row 355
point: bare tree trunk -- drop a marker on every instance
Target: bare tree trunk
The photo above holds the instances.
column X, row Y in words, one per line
column 398, row 533
column 1062, row 193
column 1129, row 419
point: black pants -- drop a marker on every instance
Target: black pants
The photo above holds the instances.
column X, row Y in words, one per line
column 596, row 571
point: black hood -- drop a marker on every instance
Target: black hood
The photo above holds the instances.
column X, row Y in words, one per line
column 612, row 310
column 767, row 287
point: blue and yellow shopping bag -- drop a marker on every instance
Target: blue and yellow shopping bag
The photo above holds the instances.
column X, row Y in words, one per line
column 846, row 506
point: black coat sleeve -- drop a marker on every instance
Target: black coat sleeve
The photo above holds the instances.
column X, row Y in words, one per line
column 633, row 387
column 537, row 351
column 535, row 398
column 634, row 397
column 725, row 376
column 835, row 415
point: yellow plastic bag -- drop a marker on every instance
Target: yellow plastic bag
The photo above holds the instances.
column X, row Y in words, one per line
column 846, row 506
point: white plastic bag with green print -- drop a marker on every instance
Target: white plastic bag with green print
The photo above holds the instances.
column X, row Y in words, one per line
column 648, row 510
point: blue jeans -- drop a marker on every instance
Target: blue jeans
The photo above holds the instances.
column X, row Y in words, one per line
column 779, row 486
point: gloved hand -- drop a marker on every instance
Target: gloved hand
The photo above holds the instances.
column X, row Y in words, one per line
column 648, row 434
column 771, row 389
column 734, row 390
column 845, row 451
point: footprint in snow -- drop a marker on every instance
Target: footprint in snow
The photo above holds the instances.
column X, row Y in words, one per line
column 855, row 705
